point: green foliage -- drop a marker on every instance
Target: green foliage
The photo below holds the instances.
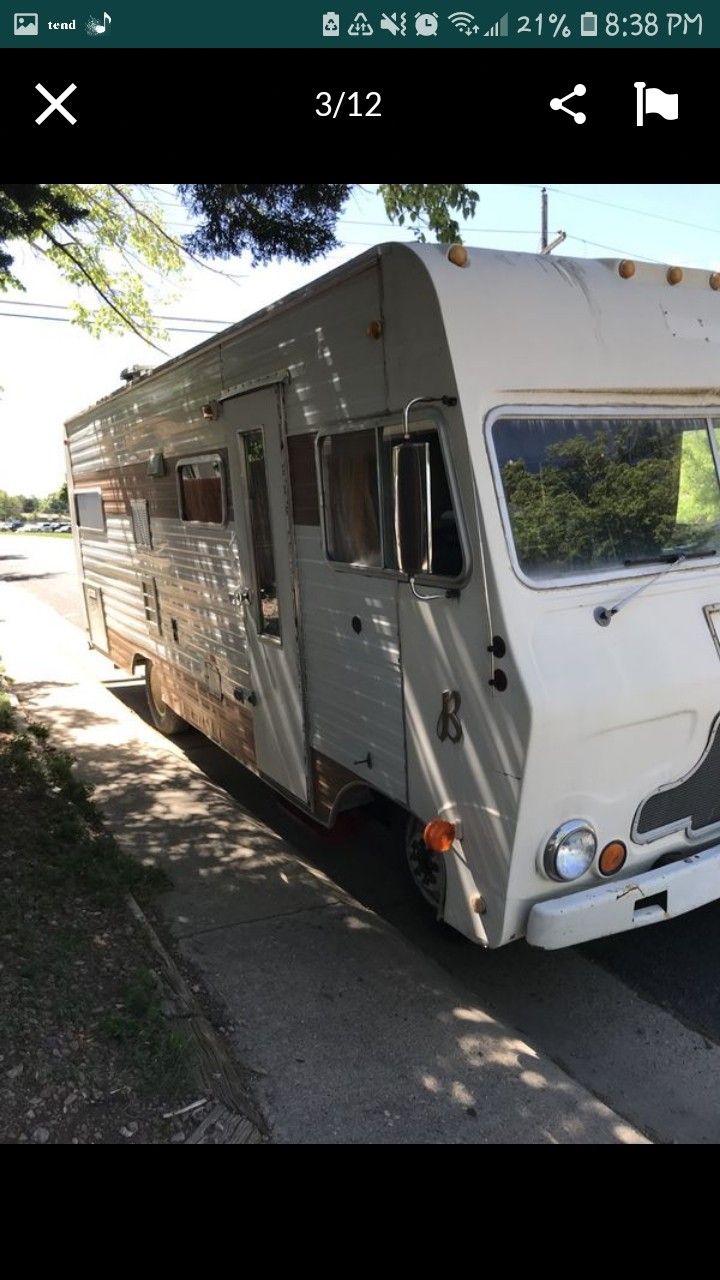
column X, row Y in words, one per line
column 269, row 220
column 57, row 502
column 7, row 719
column 9, row 505
column 620, row 494
column 429, row 207
column 26, row 209
column 159, row 1052
column 105, row 237
column 299, row 220
column 77, row 849
column 99, row 236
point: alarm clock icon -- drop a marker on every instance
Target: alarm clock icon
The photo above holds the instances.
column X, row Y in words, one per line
column 426, row 24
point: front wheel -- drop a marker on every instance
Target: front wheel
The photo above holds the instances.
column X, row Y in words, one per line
column 426, row 868
column 163, row 716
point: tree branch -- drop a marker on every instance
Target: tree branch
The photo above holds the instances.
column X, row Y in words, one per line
column 107, row 299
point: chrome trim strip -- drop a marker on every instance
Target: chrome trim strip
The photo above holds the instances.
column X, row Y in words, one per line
column 255, row 384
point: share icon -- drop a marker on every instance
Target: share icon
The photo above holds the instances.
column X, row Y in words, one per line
column 557, row 104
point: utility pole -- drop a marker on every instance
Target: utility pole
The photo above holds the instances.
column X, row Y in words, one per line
column 546, row 247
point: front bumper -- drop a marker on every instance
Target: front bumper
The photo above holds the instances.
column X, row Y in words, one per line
column 615, row 907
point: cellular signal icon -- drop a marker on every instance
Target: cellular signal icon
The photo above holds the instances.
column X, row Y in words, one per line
column 499, row 28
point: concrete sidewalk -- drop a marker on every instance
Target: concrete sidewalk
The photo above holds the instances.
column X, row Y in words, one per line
column 359, row 1036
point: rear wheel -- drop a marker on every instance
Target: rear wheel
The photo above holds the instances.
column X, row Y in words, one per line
column 426, row 868
column 163, row 717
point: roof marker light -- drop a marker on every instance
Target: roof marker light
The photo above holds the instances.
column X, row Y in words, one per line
column 674, row 275
column 626, row 269
column 459, row 255
column 714, row 280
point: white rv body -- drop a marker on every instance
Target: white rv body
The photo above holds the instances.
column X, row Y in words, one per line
column 377, row 684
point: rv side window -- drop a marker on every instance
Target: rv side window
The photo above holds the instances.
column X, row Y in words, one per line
column 201, row 490
column 89, row 509
column 352, row 498
column 447, row 553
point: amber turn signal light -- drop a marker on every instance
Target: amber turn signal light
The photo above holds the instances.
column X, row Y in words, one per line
column 612, row 858
column 439, row 835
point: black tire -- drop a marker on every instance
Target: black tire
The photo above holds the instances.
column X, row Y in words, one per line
column 427, row 869
column 163, row 717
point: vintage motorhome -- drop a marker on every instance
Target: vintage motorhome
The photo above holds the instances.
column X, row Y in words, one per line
column 442, row 527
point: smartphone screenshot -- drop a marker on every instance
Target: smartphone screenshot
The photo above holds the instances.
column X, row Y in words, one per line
column 359, row 573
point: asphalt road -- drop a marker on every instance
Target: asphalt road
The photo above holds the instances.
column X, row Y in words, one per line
column 635, row 1018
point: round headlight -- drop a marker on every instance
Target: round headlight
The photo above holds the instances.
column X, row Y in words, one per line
column 570, row 850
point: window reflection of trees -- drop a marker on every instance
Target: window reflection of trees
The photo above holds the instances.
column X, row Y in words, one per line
column 588, row 493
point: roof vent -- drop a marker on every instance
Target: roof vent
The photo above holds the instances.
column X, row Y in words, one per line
column 135, row 371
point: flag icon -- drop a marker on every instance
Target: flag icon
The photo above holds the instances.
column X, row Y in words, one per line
column 655, row 102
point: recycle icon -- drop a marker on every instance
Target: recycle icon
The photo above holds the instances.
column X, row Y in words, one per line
column 360, row 26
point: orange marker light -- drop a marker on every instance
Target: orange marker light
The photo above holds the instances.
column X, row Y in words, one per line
column 674, row 275
column 626, row 269
column 612, row 858
column 439, row 835
column 458, row 255
column 714, row 280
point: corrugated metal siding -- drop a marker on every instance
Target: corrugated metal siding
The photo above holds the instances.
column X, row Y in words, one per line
column 354, row 685
column 337, row 373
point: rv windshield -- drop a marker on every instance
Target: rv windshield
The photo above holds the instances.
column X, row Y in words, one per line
column 595, row 494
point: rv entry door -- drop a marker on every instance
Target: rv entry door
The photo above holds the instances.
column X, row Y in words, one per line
column 264, row 593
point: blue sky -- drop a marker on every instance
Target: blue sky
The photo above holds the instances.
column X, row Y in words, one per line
column 50, row 369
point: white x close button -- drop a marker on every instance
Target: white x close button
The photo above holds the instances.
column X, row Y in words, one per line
column 56, row 103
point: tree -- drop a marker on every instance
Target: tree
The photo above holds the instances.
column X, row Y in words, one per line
column 57, row 502
column 635, row 491
column 106, row 236
column 9, row 506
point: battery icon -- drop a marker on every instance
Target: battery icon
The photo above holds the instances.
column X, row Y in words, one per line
column 588, row 24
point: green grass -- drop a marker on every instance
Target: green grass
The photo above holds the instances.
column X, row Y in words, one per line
column 35, row 533
column 73, row 963
column 158, row 1051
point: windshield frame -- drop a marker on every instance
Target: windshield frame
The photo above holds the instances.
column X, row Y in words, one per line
column 568, row 410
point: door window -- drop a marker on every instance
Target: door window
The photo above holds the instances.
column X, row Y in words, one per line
column 264, row 559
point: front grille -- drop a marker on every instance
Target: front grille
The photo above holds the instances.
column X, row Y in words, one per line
column 692, row 803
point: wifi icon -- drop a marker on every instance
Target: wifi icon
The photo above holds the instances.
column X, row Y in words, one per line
column 464, row 22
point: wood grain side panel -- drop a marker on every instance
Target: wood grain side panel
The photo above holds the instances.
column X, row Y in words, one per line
column 303, row 479
column 226, row 723
column 119, row 485
column 329, row 778
column 120, row 650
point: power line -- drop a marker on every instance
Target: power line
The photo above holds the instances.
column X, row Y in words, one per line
column 464, row 226
column 642, row 213
column 624, row 253
column 19, row 315
column 57, row 306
